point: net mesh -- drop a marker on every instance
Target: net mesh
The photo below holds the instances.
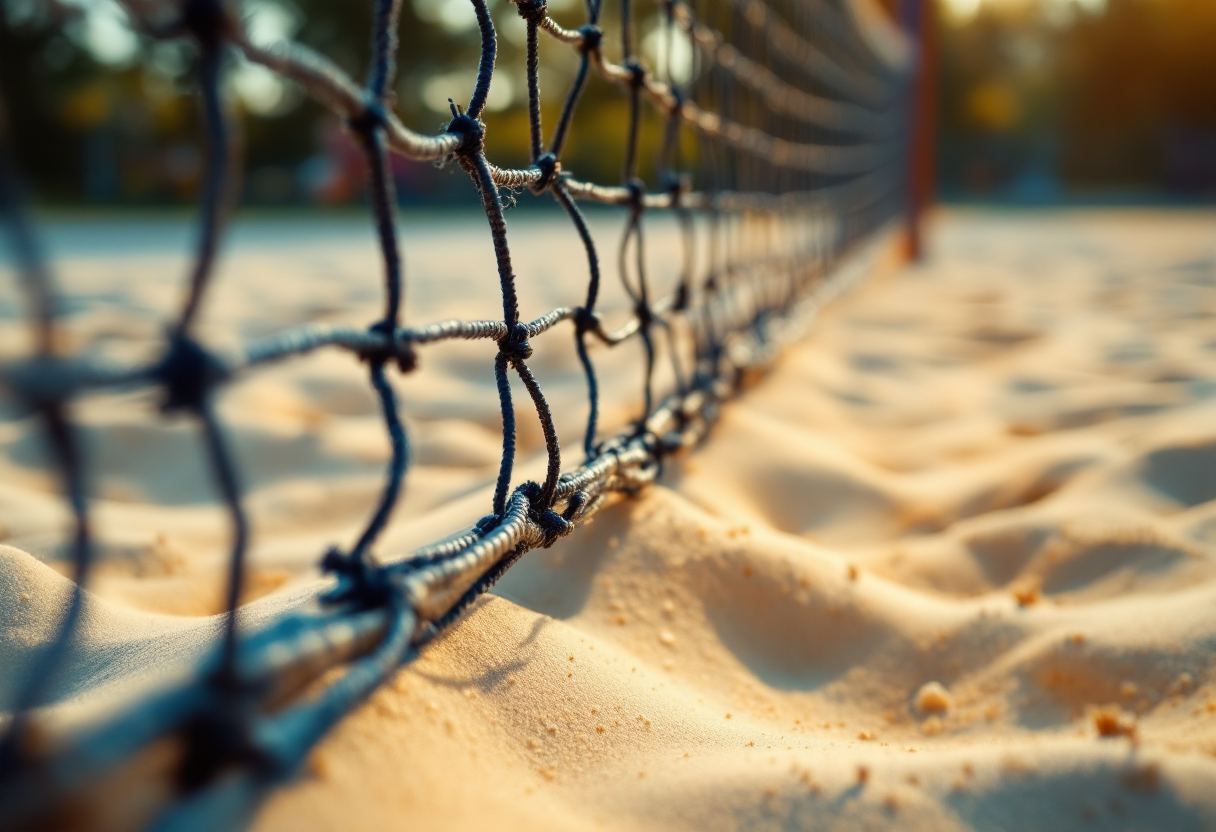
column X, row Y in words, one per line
column 785, row 140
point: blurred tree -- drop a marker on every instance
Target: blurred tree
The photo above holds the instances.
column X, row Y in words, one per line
column 105, row 115
column 1040, row 96
column 1140, row 95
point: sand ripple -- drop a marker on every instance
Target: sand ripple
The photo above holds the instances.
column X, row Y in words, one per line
column 996, row 473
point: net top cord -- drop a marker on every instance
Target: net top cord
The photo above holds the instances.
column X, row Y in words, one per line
column 800, row 131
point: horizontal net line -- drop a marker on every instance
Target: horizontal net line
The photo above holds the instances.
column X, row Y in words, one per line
column 805, row 156
column 325, row 81
column 860, row 86
column 331, row 87
column 825, row 112
column 782, row 97
column 851, row 194
column 45, row 378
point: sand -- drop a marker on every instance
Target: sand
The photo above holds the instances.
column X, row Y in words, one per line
column 950, row 565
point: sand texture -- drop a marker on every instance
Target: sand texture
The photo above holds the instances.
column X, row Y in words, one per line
column 951, row 565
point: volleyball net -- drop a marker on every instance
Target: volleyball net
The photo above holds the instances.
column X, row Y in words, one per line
column 783, row 157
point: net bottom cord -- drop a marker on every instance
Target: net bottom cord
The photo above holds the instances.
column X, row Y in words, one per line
column 219, row 751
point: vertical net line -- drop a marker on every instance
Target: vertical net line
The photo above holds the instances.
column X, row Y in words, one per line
column 64, row 446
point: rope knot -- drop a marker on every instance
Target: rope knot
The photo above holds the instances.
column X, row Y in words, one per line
column 218, row 738
column 188, row 373
column 592, row 37
column 676, row 186
column 552, row 527
column 515, row 345
column 400, row 351
column 637, row 73
column 532, row 11
column 471, row 130
column 551, row 524
column 585, row 320
column 637, row 191
column 373, row 117
column 359, row 579
column 548, row 166
column 653, row 443
column 677, row 101
column 645, row 314
column 486, row 524
column 680, row 302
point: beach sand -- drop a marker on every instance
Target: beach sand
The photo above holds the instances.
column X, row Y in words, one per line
column 950, row 565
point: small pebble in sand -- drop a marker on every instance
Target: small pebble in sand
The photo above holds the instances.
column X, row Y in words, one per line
column 866, row 735
column 667, row 638
column 933, row 698
column 25, row 596
column 1112, row 721
column 931, row 726
column 1027, row 593
column 669, row 607
column 852, row 572
column 863, row 775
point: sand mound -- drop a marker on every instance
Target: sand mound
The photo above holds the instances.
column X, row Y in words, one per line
column 950, row 566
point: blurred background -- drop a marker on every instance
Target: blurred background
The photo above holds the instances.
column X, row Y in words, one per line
column 1038, row 102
